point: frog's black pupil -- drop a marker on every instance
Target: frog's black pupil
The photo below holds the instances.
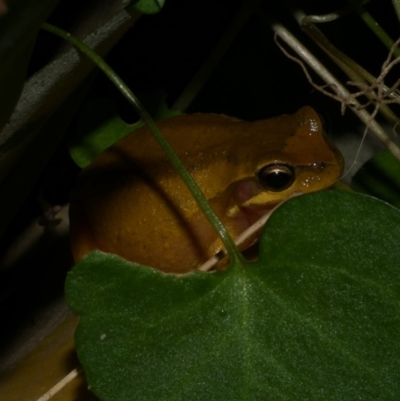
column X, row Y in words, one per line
column 276, row 177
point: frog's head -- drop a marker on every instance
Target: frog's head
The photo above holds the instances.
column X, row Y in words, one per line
column 294, row 156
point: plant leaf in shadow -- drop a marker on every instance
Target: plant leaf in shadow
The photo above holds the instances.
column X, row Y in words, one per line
column 317, row 316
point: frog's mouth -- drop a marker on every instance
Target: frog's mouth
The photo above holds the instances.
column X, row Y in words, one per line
column 252, row 213
column 251, row 201
column 250, row 204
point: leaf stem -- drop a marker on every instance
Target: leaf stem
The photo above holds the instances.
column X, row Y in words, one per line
column 222, row 232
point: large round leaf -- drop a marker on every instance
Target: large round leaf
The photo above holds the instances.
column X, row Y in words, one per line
column 316, row 318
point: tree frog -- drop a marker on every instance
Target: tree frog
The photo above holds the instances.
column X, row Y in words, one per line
column 130, row 201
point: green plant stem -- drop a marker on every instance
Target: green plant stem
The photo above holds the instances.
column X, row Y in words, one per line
column 234, row 253
column 396, row 5
column 377, row 29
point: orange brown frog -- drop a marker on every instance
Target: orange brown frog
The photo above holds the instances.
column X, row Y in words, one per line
column 130, row 201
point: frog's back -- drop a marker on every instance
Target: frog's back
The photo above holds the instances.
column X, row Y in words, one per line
column 200, row 141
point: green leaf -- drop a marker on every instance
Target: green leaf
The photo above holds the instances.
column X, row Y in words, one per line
column 380, row 177
column 316, row 318
column 149, row 6
column 100, row 126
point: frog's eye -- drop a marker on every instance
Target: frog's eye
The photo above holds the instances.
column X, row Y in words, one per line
column 276, row 177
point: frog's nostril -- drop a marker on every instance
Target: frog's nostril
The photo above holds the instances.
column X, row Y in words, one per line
column 319, row 166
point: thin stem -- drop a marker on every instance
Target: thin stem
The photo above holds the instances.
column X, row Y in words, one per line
column 61, row 384
column 341, row 92
column 329, row 49
column 364, row 15
column 396, row 5
column 377, row 29
column 349, row 66
column 353, row 70
column 319, row 19
column 249, row 232
column 223, row 234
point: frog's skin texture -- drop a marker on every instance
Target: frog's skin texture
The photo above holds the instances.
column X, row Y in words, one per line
column 130, row 201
